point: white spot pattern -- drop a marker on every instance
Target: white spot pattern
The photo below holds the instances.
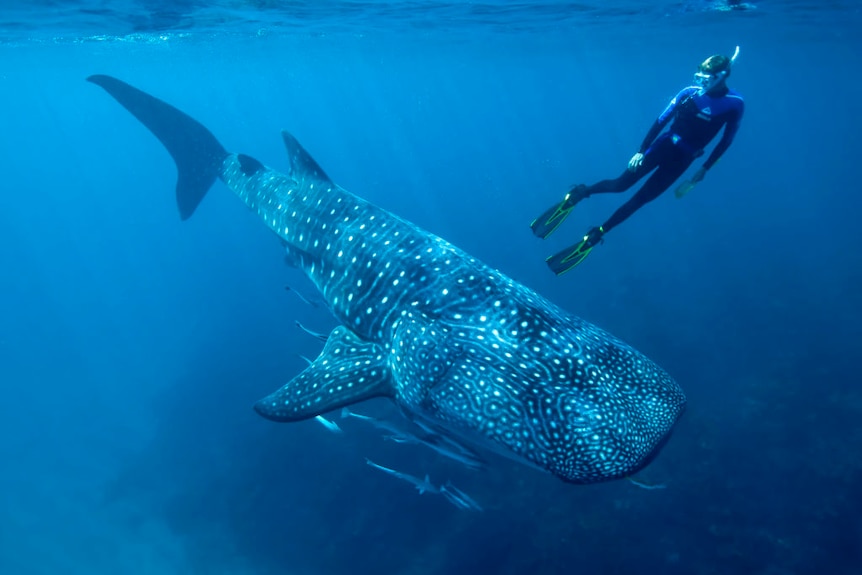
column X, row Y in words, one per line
column 457, row 342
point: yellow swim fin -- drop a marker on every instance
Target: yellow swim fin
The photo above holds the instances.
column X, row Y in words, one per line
column 684, row 188
column 544, row 225
column 570, row 257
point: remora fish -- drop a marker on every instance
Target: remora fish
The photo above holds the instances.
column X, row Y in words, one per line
column 452, row 494
column 458, row 498
column 421, row 485
column 442, row 445
column 450, row 340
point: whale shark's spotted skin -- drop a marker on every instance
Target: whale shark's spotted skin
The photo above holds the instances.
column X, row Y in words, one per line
column 454, row 343
column 461, row 345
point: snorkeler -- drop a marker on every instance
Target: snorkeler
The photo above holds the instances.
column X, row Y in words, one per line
column 698, row 113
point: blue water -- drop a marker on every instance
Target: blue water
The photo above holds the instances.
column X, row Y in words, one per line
column 133, row 344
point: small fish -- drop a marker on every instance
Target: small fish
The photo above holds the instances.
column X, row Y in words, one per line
column 462, row 455
column 647, row 486
column 302, row 298
column 443, row 437
column 442, row 445
column 387, row 426
column 400, row 438
column 316, row 334
column 458, row 498
column 421, row 485
column 330, row 425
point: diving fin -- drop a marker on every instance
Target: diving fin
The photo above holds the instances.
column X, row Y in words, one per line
column 570, row 257
column 544, row 225
column 684, row 188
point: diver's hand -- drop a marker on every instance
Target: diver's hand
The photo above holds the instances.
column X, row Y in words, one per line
column 636, row 162
column 698, row 175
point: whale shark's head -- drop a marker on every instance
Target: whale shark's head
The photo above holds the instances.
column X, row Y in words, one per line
column 618, row 415
column 566, row 398
column 601, row 412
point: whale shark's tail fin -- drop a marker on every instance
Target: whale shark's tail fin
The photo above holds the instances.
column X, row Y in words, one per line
column 195, row 150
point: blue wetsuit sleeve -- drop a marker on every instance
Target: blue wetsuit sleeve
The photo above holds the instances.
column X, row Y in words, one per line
column 651, row 136
column 663, row 119
column 730, row 130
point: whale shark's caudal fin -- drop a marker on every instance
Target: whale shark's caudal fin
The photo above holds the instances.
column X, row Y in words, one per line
column 195, row 150
column 348, row 370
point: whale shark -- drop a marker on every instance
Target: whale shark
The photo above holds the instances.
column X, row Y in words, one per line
column 459, row 347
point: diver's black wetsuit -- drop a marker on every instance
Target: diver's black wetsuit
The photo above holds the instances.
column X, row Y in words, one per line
column 697, row 118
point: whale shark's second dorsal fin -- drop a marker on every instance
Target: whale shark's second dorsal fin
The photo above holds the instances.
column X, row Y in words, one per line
column 302, row 165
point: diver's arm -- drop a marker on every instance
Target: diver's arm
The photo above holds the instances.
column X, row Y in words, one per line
column 730, row 130
column 723, row 144
column 638, row 158
column 720, row 148
column 657, row 126
column 653, row 133
column 663, row 118
column 651, row 136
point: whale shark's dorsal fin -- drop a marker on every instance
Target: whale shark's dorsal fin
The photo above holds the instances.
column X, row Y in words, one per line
column 302, row 165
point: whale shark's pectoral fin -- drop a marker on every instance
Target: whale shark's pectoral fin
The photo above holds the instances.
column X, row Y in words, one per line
column 347, row 371
column 302, row 165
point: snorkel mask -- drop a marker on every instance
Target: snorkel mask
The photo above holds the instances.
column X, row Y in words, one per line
column 713, row 71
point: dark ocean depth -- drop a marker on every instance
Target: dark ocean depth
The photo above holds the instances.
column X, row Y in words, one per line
column 134, row 345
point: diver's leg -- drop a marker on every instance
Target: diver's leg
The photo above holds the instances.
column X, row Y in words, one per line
column 550, row 219
column 613, row 186
column 654, row 156
column 657, row 183
column 670, row 167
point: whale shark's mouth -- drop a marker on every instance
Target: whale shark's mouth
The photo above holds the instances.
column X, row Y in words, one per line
column 652, row 454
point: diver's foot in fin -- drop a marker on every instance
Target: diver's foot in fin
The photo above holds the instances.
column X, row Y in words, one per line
column 570, row 257
column 544, row 225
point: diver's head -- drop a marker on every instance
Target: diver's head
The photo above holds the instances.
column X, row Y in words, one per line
column 712, row 73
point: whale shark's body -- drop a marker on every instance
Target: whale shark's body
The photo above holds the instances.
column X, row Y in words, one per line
column 457, row 345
